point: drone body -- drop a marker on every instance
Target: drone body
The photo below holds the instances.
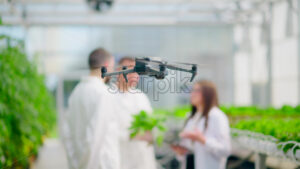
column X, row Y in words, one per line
column 150, row 67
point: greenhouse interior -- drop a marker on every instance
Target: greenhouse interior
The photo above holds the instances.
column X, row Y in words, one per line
column 149, row 84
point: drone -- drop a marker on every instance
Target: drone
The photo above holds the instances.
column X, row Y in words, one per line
column 151, row 67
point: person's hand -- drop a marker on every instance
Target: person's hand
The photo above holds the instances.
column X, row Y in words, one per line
column 195, row 135
column 147, row 136
column 179, row 149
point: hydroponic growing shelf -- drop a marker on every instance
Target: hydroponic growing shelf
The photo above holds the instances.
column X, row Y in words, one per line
column 265, row 144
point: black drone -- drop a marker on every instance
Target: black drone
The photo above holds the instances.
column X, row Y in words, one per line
column 151, row 67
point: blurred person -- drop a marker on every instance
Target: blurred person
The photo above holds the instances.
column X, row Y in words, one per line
column 206, row 133
column 136, row 153
column 89, row 129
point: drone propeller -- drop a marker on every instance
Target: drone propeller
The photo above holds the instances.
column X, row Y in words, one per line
column 155, row 60
column 191, row 64
column 149, row 59
column 184, row 63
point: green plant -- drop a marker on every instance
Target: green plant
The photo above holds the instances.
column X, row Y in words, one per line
column 27, row 109
column 148, row 122
column 156, row 121
column 252, row 111
column 285, row 129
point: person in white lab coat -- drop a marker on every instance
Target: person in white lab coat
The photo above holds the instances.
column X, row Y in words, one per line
column 88, row 128
column 207, row 131
column 136, row 153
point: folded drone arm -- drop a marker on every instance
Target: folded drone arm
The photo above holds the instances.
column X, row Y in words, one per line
column 119, row 72
column 124, row 72
column 193, row 70
column 178, row 68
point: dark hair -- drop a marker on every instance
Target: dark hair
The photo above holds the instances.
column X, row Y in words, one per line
column 192, row 114
column 98, row 57
column 126, row 58
column 210, row 99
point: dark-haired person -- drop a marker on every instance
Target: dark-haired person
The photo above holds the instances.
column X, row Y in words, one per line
column 207, row 132
column 89, row 129
column 136, row 153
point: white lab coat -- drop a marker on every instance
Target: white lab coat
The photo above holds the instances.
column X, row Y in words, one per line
column 212, row 155
column 89, row 129
column 135, row 154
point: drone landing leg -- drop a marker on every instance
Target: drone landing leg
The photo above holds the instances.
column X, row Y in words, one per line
column 125, row 77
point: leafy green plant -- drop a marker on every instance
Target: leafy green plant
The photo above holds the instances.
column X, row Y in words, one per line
column 252, row 111
column 27, row 109
column 148, row 122
column 156, row 121
column 285, row 129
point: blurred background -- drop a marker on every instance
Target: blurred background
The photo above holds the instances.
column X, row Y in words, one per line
column 250, row 49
